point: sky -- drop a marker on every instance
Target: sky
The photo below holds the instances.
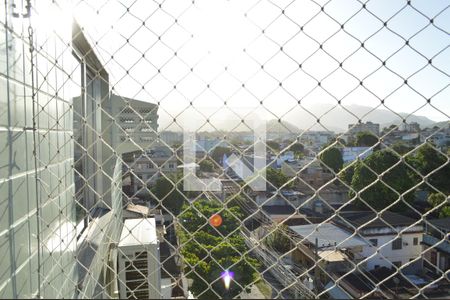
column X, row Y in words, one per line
column 216, row 59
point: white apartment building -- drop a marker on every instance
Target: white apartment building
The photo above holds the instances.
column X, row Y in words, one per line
column 387, row 249
column 350, row 154
column 136, row 123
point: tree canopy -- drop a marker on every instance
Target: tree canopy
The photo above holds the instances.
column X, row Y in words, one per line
column 332, row 158
column 298, row 149
column 392, row 183
column 436, row 199
column 206, row 166
column 278, row 239
column 401, row 148
column 218, row 152
column 427, row 160
column 365, row 139
column 212, row 250
column 273, row 145
column 168, row 196
column 277, row 179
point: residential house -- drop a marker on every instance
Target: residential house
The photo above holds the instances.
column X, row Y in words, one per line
column 395, row 240
column 436, row 246
column 145, row 167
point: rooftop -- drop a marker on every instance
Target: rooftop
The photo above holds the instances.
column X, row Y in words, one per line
column 328, row 235
column 370, row 220
column 443, row 224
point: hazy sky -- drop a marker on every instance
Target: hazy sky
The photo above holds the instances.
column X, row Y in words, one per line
column 209, row 38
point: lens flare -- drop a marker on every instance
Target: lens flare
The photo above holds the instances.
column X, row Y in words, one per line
column 227, row 276
column 215, row 220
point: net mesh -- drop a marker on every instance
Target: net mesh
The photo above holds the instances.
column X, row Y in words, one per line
column 312, row 171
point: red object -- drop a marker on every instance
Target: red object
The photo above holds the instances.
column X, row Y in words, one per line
column 215, row 220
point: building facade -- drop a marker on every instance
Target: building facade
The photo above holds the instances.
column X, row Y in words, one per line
column 145, row 167
column 436, row 246
column 354, row 129
column 395, row 240
column 136, row 123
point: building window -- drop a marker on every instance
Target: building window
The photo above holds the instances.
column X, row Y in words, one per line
column 397, row 244
column 415, row 241
column 374, row 242
column 128, row 111
column 128, row 121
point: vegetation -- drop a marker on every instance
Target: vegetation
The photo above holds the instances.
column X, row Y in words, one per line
column 206, row 166
column 277, row 179
column 218, row 152
column 401, row 148
column 366, row 139
column 170, row 197
column 278, row 239
column 347, row 174
column 274, row 146
column 264, row 288
column 436, row 199
column 392, row 183
column 298, row 149
column 332, row 158
column 214, row 249
column 426, row 160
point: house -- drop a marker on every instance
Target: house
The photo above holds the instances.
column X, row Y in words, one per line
column 145, row 167
column 350, row 154
column 436, row 246
column 337, row 248
column 395, row 240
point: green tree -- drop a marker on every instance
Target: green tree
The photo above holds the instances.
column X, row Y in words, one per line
column 278, row 238
column 208, row 250
column 347, row 174
column 168, row 194
column 401, row 148
column 277, row 178
column 366, row 139
column 435, row 199
column 445, row 212
column 218, row 152
column 426, row 160
column 298, row 149
column 206, row 166
column 383, row 192
column 273, row 145
column 332, row 158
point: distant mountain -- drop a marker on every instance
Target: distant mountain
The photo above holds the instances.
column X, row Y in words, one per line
column 338, row 118
column 423, row 121
column 443, row 124
column 281, row 127
column 313, row 116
